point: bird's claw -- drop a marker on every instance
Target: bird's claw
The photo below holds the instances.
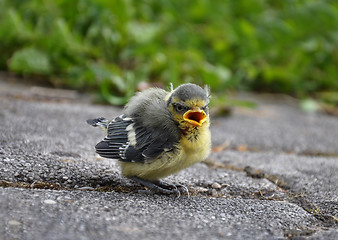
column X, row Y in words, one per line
column 179, row 188
column 162, row 187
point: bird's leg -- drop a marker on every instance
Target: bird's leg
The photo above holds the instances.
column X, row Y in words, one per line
column 161, row 187
column 153, row 186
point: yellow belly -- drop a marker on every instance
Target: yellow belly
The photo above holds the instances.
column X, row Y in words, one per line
column 186, row 154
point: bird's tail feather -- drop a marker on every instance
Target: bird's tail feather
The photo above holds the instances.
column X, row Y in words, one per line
column 101, row 122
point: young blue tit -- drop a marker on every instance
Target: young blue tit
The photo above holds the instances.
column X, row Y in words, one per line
column 159, row 134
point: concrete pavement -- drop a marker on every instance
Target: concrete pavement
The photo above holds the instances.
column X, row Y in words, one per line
column 272, row 175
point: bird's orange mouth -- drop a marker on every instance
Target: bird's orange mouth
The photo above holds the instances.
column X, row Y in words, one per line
column 195, row 117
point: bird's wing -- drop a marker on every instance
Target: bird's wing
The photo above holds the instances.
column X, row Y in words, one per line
column 129, row 141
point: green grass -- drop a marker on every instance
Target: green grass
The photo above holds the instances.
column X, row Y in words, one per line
column 110, row 46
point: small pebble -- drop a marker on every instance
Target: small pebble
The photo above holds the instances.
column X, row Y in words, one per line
column 214, row 193
column 14, row 222
column 86, row 188
column 202, row 189
column 216, row 185
column 49, row 201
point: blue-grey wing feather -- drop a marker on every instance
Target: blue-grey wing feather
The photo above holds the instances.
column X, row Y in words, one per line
column 150, row 143
column 145, row 131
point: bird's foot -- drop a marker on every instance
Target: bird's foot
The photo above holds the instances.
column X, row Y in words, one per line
column 178, row 187
column 162, row 187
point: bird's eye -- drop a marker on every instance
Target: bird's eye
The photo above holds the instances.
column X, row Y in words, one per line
column 205, row 108
column 180, row 108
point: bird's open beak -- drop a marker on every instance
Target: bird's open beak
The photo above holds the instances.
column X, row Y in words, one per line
column 195, row 117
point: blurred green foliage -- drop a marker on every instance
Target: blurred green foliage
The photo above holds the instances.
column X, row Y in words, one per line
column 110, row 46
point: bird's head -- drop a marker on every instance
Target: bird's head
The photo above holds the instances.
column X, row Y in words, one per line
column 188, row 105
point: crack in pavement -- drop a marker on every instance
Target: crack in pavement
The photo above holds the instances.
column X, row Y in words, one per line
column 297, row 198
column 293, row 196
column 227, row 146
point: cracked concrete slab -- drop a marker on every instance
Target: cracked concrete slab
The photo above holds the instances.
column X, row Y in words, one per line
column 54, row 186
column 313, row 179
column 45, row 214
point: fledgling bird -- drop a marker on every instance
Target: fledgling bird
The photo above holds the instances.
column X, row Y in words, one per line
column 159, row 134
